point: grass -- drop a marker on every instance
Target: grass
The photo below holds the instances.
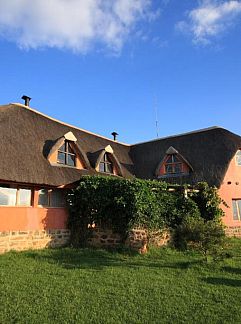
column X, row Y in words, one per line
column 96, row 286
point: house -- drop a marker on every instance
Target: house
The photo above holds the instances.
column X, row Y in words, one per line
column 41, row 157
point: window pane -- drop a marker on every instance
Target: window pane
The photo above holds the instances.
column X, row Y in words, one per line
column 71, row 160
column 175, row 158
column 239, row 208
column 24, row 197
column 57, row 198
column 62, row 148
column 168, row 168
column 61, row 157
column 169, row 159
column 8, row 196
column 70, row 149
column 43, row 197
column 109, row 168
column 106, row 158
column 235, row 210
column 177, row 168
column 238, row 157
column 102, row 167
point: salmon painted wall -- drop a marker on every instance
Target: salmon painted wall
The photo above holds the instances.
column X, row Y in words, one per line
column 32, row 218
column 231, row 189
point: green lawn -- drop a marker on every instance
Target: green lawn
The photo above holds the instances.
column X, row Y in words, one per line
column 96, row 286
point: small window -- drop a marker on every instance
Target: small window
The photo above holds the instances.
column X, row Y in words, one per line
column 66, row 154
column 173, row 165
column 43, row 199
column 8, row 196
column 15, row 196
column 237, row 209
column 24, row 197
column 238, row 158
column 51, row 198
column 105, row 164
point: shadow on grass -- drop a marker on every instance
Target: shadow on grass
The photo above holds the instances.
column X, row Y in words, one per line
column 94, row 259
column 77, row 258
column 223, row 282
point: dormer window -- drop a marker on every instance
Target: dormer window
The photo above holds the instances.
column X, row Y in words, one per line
column 173, row 165
column 66, row 154
column 238, row 158
column 105, row 164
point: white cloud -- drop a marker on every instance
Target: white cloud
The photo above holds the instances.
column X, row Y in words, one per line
column 73, row 24
column 210, row 19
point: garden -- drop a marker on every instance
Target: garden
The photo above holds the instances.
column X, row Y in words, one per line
column 196, row 278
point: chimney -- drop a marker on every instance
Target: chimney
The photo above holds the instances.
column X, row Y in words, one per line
column 26, row 100
column 114, row 134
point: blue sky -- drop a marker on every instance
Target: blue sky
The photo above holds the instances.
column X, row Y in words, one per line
column 105, row 67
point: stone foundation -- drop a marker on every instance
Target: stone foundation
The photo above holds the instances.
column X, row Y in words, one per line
column 104, row 238
column 234, row 231
column 137, row 239
column 38, row 239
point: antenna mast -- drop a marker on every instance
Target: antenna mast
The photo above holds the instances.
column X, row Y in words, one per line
column 156, row 113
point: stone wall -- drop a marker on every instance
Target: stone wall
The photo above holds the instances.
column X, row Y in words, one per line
column 233, row 231
column 104, row 238
column 137, row 239
column 38, row 239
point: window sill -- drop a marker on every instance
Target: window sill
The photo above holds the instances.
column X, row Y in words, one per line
column 48, row 207
column 16, row 206
column 66, row 166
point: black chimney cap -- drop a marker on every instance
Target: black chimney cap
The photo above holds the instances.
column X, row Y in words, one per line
column 114, row 134
column 26, row 100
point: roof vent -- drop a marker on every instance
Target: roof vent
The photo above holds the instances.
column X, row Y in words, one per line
column 114, row 134
column 26, row 100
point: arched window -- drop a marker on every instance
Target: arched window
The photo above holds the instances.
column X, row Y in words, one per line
column 106, row 164
column 238, row 158
column 66, row 154
column 173, row 165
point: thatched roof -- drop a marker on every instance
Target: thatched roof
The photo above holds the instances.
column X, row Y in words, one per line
column 28, row 137
column 208, row 151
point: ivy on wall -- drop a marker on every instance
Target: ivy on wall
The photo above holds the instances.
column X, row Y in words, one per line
column 125, row 204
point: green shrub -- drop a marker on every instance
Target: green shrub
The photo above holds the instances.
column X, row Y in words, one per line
column 208, row 201
column 208, row 237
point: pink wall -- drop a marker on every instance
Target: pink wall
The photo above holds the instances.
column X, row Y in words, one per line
column 231, row 189
column 32, row 218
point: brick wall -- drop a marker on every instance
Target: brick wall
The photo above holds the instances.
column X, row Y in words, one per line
column 36, row 239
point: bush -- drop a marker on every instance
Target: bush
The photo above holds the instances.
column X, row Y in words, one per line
column 208, row 237
column 123, row 204
column 208, row 201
